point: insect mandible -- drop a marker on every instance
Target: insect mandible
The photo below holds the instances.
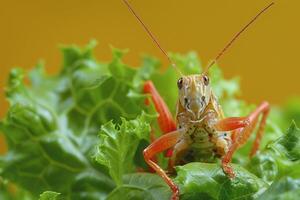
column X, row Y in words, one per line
column 201, row 132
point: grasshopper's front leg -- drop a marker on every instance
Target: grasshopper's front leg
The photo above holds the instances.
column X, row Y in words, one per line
column 242, row 128
column 163, row 143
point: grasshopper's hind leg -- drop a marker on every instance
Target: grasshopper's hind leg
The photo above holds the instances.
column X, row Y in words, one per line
column 164, row 142
column 165, row 120
column 242, row 129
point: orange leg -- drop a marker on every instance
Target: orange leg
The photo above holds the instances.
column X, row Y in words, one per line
column 165, row 119
column 164, row 142
column 231, row 123
column 243, row 128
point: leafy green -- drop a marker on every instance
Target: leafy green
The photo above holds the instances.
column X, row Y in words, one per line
column 52, row 124
column 141, row 186
column 279, row 158
column 82, row 131
column 291, row 110
column 10, row 192
column 208, row 181
column 289, row 144
column 118, row 145
column 285, row 188
column 48, row 195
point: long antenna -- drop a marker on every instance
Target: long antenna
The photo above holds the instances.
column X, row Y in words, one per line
column 152, row 36
column 235, row 37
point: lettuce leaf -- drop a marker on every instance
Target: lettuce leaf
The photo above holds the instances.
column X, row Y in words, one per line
column 285, row 188
column 141, row 186
column 279, row 158
column 49, row 195
column 58, row 124
column 208, row 181
column 9, row 191
column 118, row 145
column 52, row 125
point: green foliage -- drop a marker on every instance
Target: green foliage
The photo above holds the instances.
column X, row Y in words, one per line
column 52, row 125
column 280, row 158
column 289, row 144
column 118, row 145
column 48, row 195
column 285, row 188
column 141, row 186
column 208, row 181
column 291, row 110
column 10, row 192
column 81, row 133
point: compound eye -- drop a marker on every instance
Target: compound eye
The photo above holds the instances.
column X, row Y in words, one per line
column 180, row 83
column 205, row 80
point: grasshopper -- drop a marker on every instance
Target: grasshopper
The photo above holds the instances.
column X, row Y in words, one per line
column 201, row 131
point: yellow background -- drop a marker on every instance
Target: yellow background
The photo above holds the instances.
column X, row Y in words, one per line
column 265, row 57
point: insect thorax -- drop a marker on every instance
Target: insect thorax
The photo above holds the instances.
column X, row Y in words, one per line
column 204, row 143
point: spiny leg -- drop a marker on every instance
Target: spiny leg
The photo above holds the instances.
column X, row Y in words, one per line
column 164, row 142
column 265, row 109
column 165, row 119
column 242, row 131
column 231, row 123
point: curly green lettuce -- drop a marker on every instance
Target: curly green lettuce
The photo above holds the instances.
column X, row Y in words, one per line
column 81, row 133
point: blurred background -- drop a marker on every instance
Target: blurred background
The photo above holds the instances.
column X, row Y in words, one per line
column 265, row 57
